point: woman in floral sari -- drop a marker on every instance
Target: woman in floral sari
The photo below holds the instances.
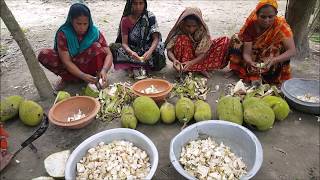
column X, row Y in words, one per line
column 263, row 47
column 190, row 47
column 80, row 50
column 138, row 46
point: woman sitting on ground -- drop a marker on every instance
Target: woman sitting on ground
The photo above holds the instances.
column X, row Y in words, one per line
column 138, row 46
column 190, row 47
column 80, row 50
column 263, row 47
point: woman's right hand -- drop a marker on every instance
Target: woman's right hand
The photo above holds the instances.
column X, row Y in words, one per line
column 177, row 65
column 88, row 78
column 135, row 56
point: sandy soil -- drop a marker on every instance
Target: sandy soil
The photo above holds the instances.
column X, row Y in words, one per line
column 40, row 20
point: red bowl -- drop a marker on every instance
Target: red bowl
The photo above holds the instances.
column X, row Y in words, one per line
column 60, row 112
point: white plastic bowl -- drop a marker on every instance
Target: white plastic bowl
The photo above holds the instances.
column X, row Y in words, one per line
column 241, row 141
column 137, row 138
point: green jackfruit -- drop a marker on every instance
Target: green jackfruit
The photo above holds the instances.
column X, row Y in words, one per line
column 9, row 107
column 249, row 100
column 202, row 111
column 128, row 119
column 146, row 110
column 184, row 110
column 259, row 114
column 168, row 114
column 230, row 109
column 30, row 113
column 279, row 106
column 62, row 95
column 91, row 90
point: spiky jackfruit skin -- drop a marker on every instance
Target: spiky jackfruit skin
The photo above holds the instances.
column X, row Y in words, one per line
column 168, row 113
column 30, row 113
column 128, row 119
column 279, row 106
column 202, row 111
column 249, row 100
column 230, row 109
column 184, row 110
column 259, row 114
column 9, row 107
column 146, row 110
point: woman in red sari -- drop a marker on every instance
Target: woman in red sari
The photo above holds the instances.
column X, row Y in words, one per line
column 263, row 47
column 80, row 50
column 189, row 45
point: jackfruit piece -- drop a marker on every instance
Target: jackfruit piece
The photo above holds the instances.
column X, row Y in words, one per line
column 30, row 113
column 62, row 95
column 167, row 112
column 9, row 107
column 279, row 106
column 146, row 110
column 184, row 110
column 230, row 109
column 202, row 111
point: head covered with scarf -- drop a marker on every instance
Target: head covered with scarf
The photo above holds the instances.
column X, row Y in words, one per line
column 126, row 12
column 279, row 30
column 92, row 35
column 201, row 39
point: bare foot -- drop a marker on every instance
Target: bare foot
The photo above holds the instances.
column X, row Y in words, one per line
column 59, row 85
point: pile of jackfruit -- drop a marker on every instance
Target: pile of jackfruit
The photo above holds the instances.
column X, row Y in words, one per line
column 146, row 111
column 30, row 113
column 258, row 112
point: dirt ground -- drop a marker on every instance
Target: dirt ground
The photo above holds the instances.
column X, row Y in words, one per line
column 291, row 147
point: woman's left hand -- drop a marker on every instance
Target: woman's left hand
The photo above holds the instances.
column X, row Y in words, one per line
column 269, row 63
column 188, row 64
column 147, row 55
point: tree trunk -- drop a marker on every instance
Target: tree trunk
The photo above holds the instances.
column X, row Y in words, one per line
column 39, row 78
column 298, row 16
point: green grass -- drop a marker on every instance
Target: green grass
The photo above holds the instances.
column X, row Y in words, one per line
column 315, row 38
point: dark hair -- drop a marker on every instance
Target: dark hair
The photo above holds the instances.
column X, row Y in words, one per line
column 77, row 10
column 266, row 6
column 192, row 17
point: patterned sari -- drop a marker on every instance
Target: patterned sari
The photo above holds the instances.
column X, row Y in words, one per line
column 186, row 47
column 267, row 45
column 139, row 40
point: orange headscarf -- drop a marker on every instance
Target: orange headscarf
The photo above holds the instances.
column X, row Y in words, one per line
column 275, row 34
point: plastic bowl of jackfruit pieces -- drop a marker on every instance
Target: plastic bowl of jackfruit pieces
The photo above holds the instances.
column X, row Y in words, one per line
column 241, row 141
column 137, row 138
column 302, row 94
column 157, row 89
column 75, row 112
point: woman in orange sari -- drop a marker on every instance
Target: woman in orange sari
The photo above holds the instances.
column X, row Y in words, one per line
column 263, row 47
column 190, row 47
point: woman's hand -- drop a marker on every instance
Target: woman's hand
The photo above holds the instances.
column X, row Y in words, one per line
column 88, row 78
column 147, row 55
column 135, row 56
column 188, row 64
column 269, row 63
column 103, row 75
column 177, row 65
